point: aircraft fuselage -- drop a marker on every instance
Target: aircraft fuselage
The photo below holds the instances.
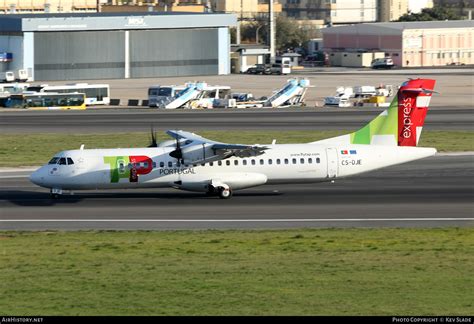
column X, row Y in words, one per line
column 154, row 167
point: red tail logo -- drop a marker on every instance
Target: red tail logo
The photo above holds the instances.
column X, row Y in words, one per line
column 413, row 100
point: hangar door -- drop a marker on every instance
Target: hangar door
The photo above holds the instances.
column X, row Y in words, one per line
column 174, row 52
column 79, row 55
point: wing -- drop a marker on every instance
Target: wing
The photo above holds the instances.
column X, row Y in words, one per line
column 198, row 149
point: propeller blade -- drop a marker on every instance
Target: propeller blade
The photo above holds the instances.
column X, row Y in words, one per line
column 153, row 142
column 177, row 153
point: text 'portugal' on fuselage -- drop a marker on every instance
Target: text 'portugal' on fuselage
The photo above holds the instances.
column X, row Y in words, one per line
column 191, row 162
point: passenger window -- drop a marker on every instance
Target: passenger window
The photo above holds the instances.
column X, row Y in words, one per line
column 54, row 160
column 293, row 161
column 310, row 160
column 227, row 162
column 211, row 163
column 270, row 161
column 253, row 162
column 70, row 161
column 62, row 161
column 203, row 164
column 278, row 161
column 244, row 162
column 261, row 162
column 162, row 164
column 318, row 160
column 236, row 162
column 302, row 161
column 219, row 163
column 170, row 164
column 286, row 161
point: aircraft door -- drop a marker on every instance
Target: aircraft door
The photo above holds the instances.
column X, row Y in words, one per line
column 332, row 162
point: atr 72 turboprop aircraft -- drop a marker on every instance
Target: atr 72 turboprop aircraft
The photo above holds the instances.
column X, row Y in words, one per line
column 191, row 162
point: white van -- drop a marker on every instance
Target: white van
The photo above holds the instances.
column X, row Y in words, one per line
column 382, row 63
column 8, row 76
column 285, row 63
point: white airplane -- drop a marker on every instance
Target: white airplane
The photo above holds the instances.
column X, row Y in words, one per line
column 191, row 162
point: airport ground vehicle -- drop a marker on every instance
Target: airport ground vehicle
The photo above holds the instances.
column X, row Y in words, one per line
column 13, row 88
column 259, row 69
column 96, row 94
column 7, row 76
column 285, row 65
column 159, row 95
column 46, row 101
column 382, row 63
column 10, row 76
column 191, row 95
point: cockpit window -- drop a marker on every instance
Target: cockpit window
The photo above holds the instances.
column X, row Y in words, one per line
column 54, row 160
column 62, row 161
column 70, row 161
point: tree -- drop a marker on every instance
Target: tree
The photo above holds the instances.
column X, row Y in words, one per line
column 288, row 33
column 429, row 14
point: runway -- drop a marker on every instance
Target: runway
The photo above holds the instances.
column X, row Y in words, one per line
column 433, row 192
column 140, row 120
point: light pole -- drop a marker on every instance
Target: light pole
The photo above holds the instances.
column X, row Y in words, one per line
column 256, row 34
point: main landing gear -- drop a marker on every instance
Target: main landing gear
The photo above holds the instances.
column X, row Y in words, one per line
column 224, row 193
column 221, row 190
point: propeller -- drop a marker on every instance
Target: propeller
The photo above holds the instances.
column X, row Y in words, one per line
column 153, row 142
column 177, row 153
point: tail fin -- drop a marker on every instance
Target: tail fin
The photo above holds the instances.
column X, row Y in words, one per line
column 401, row 124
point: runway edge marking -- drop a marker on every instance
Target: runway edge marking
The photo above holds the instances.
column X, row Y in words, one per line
column 241, row 220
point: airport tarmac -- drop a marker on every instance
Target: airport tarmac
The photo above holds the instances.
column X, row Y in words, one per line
column 140, row 120
column 454, row 84
column 432, row 192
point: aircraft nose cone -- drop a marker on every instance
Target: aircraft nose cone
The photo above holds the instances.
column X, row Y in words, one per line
column 36, row 177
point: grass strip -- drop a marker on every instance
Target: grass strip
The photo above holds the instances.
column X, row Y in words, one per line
column 36, row 149
column 272, row 272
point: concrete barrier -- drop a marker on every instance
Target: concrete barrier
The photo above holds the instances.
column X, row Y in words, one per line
column 114, row 102
column 133, row 102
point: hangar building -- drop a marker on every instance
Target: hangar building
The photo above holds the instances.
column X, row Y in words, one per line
column 116, row 45
column 426, row 43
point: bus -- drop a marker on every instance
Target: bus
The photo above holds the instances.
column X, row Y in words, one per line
column 46, row 101
column 96, row 94
column 162, row 95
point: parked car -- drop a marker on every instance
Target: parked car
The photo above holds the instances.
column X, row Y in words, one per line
column 382, row 63
column 259, row 69
column 275, row 68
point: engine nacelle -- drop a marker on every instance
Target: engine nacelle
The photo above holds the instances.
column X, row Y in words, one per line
column 236, row 181
column 199, row 154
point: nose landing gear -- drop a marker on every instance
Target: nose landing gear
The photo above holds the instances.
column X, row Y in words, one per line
column 56, row 193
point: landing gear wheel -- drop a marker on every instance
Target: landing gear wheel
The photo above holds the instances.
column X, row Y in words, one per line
column 56, row 193
column 224, row 193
